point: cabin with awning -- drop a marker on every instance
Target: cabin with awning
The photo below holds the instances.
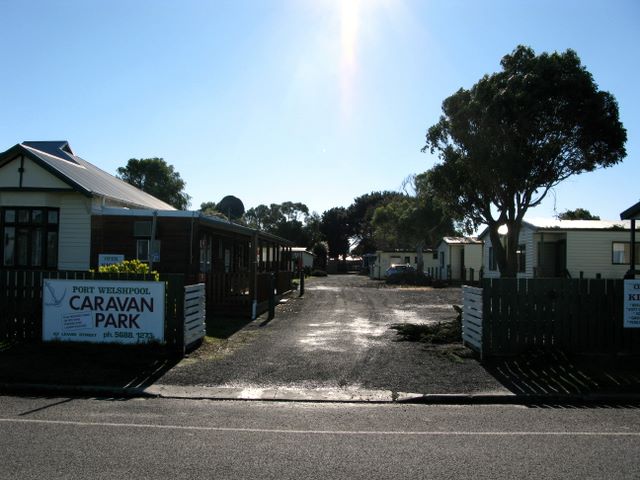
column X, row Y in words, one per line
column 552, row 248
column 59, row 212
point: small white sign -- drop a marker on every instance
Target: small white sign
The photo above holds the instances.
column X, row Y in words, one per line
column 105, row 259
column 103, row 311
column 632, row 304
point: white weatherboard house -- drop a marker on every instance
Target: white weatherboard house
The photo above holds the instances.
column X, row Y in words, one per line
column 385, row 258
column 47, row 198
column 301, row 253
column 458, row 258
column 566, row 248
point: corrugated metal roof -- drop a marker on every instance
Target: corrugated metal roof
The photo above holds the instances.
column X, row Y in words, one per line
column 205, row 220
column 554, row 224
column 460, row 240
column 57, row 156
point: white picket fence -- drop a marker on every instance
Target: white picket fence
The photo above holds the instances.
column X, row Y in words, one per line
column 195, row 313
column 472, row 318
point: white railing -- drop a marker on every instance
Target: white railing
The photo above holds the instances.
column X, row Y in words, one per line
column 195, row 313
column 472, row 318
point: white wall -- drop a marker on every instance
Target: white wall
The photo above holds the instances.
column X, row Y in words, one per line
column 385, row 259
column 591, row 253
column 34, row 176
column 473, row 259
column 74, row 231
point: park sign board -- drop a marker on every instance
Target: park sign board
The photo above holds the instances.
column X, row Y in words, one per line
column 103, row 311
column 632, row 304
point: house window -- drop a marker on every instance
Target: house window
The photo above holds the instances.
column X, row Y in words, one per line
column 29, row 237
column 144, row 251
column 435, row 255
column 521, row 254
column 205, row 253
column 493, row 266
column 621, row 253
column 407, row 260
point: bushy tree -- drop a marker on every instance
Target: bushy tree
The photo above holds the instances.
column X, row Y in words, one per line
column 290, row 220
column 412, row 221
column 360, row 214
column 577, row 214
column 517, row 133
column 157, row 178
column 336, row 230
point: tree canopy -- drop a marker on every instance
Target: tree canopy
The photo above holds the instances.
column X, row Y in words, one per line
column 157, row 178
column 517, row 133
column 360, row 217
column 337, row 231
column 412, row 221
column 290, row 220
column 577, row 214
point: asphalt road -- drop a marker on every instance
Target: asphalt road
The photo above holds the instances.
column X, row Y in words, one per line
column 75, row 438
column 338, row 336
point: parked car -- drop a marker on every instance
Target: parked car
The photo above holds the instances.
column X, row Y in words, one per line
column 399, row 269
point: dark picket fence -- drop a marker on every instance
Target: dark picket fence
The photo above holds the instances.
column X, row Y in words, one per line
column 583, row 316
column 21, row 302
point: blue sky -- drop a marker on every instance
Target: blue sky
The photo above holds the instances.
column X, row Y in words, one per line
column 313, row 101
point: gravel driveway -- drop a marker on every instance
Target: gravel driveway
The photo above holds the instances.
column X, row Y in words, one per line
column 338, row 335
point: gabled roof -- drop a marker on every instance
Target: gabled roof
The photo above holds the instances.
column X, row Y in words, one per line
column 58, row 158
column 555, row 225
column 459, row 241
column 631, row 212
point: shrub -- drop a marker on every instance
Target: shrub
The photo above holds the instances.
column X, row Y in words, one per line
column 318, row 273
column 129, row 266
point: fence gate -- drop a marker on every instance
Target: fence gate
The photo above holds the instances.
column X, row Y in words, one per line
column 195, row 313
column 472, row 318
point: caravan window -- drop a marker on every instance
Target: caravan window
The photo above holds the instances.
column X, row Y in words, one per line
column 621, row 253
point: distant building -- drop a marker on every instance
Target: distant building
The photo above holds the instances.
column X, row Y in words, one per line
column 459, row 258
column 385, row 258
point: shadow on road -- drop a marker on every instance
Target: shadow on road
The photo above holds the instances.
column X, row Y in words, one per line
column 556, row 373
column 84, row 364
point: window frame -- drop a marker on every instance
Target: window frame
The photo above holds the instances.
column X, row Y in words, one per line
column 31, row 237
column 626, row 252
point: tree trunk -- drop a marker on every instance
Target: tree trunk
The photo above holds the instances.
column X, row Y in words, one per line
column 509, row 251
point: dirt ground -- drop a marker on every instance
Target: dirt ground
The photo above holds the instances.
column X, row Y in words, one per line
column 338, row 335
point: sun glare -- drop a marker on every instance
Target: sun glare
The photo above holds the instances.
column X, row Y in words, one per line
column 349, row 24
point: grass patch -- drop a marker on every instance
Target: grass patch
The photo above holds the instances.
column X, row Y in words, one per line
column 438, row 333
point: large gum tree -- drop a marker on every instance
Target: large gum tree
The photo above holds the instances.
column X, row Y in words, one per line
column 517, row 133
